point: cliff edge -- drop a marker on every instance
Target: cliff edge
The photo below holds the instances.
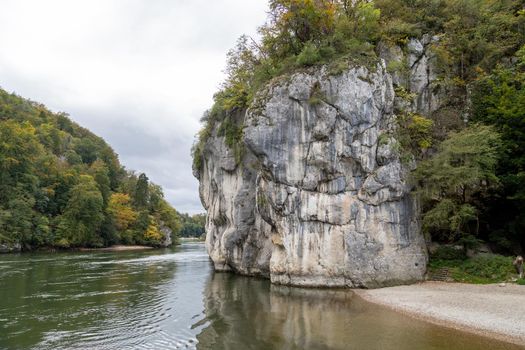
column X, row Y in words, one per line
column 318, row 194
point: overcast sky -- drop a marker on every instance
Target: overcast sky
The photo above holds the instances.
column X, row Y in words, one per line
column 139, row 73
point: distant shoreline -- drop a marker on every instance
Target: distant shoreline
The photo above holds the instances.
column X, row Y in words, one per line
column 488, row 310
column 116, row 248
column 113, row 248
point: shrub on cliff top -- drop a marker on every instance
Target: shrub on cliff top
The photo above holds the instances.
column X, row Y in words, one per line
column 298, row 33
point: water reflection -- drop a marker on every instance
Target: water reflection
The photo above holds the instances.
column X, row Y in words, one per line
column 245, row 313
column 171, row 299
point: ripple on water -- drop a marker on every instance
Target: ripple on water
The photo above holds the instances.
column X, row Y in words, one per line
column 166, row 300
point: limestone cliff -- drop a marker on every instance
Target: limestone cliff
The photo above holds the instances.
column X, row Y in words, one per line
column 320, row 195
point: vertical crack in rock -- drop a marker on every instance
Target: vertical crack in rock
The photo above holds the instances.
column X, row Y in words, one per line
column 315, row 200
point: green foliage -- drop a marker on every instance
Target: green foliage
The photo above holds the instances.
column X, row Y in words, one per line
column 193, row 226
column 414, row 134
column 477, row 46
column 420, row 131
column 82, row 218
column 296, row 22
column 474, row 34
column 299, row 33
column 448, row 253
column 309, row 55
column 141, row 194
column 62, row 186
column 480, row 269
column 499, row 100
column 450, row 182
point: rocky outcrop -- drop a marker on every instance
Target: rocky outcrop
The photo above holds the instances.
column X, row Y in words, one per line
column 167, row 233
column 320, row 196
column 413, row 68
column 10, row 247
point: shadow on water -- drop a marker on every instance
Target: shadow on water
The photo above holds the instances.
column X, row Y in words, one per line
column 246, row 313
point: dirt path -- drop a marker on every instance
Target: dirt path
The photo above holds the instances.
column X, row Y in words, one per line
column 490, row 310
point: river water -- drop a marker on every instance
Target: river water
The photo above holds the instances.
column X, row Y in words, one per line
column 171, row 299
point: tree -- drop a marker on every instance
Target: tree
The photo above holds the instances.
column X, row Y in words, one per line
column 192, row 226
column 16, row 220
column 499, row 100
column 100, row 173
column 141, row 195
column 87, row 150
column 120, row 211
column 153, row 234
column 296, row 22
column 53, row 174
column 451, row 182
column 156, row 197
column 19, row 150
column 79, row 224
column 169, row 218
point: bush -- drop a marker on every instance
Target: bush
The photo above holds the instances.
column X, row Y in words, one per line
column 478, row 270
column 309, row 56
column 448, row 253
column 487, row 268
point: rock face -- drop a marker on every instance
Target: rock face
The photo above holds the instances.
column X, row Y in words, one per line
column 10, row 247
column 320, row 196
column 419, row 75
column 166, row 236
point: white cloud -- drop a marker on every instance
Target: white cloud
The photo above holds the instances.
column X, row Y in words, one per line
column 137, row 72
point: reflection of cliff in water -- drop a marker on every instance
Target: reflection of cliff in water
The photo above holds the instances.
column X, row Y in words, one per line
column 247, row 313
column 251, row 311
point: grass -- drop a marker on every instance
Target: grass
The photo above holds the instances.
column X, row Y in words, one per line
column 478, row 270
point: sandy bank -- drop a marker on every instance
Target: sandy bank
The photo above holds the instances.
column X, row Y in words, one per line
column 489, row 310
column 116, row 248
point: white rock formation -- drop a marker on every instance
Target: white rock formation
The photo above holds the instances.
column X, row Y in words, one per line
column 320, row 197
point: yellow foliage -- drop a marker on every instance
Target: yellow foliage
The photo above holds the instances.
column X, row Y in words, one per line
column 153, row 233
column 119, row 207
column 420, row 129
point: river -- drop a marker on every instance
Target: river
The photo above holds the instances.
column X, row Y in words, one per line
column 171, row 299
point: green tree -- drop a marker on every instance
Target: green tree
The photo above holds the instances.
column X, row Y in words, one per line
column 16, row 220
column 451, row 182
column 293, row 23
column 499, row 100
column 81, row 221
column 87, row 150
column 48, row 166
column 141, row 194
column 192, row 226
column 19, row 150
column 100, row 173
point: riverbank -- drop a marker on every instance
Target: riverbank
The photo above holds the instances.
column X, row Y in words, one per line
column 116, row 248
column 489, row 310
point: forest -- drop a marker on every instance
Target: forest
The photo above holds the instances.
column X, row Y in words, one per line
column 470, row 152
column 61, row 186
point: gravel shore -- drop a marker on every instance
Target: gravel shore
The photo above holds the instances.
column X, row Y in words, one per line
column 490, row 310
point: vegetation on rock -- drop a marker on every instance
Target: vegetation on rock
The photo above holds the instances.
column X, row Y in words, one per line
column 471, row 148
